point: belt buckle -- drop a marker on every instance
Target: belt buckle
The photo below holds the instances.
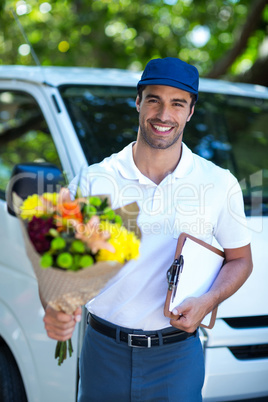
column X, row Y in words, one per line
column 130, row 340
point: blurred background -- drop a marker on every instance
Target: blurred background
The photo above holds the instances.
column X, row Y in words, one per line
column 224, row 39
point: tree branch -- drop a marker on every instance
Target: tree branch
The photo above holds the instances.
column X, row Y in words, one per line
column 257, row 74
column 12, row 134
column 250, row 25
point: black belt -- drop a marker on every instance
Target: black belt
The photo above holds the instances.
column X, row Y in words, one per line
column 139, row 340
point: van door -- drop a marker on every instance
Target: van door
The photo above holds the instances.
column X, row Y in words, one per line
column 25, row 137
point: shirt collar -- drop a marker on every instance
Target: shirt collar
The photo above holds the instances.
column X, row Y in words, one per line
column 185, row 165
column 129, row 170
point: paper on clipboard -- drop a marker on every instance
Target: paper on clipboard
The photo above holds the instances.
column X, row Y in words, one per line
column 201, row 267
column 202, row 264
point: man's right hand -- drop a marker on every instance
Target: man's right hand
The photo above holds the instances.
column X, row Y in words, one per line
column 60, row 326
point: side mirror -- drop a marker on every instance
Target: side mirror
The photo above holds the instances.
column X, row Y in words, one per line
column 33, row 178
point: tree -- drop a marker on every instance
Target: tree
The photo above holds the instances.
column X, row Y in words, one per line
column 258, row 73
column 127, row 33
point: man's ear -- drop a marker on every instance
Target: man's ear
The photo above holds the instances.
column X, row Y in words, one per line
column 138, row 103
column 191, row 113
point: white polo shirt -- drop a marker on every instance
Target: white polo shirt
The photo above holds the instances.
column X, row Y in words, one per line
column 198, row 197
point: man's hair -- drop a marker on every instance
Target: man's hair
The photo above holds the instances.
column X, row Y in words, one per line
column 142, row 88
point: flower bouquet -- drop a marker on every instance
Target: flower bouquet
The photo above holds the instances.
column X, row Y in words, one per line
column 75, row 247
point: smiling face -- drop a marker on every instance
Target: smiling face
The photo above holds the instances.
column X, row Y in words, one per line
column 164, row 112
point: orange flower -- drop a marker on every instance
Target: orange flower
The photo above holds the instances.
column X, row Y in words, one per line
column 68, row 211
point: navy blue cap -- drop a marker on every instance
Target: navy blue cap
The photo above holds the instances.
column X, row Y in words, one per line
column 172, row 72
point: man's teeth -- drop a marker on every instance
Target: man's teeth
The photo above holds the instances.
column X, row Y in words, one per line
column 163, row 129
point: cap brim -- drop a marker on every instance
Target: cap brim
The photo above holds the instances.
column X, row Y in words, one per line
column 168, row 82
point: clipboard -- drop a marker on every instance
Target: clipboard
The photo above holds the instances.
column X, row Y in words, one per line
column 188, row 277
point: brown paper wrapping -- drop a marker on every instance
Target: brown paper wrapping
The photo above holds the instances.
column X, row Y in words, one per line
column 66, row 290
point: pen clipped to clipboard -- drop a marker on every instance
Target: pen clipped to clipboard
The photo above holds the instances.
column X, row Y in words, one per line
column 195, row 268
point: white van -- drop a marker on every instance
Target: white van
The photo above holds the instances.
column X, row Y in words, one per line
column 72, row 117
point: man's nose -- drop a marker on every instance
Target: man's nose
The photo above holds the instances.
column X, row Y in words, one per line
column 163, row 113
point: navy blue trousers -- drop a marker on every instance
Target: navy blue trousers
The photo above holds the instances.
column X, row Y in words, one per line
column 112, row 371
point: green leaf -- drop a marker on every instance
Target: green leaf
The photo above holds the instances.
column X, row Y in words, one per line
column 125, row 34
column 53, row 232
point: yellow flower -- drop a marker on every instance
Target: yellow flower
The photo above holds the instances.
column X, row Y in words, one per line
column 32, row 206
column 133, row 246
column 51, row 197
column 126, row 244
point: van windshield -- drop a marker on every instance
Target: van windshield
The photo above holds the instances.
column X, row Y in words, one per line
column 231, row 131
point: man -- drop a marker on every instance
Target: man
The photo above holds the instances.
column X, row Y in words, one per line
column 132, row 352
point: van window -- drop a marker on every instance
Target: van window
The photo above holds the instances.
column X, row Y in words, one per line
column 232, row 132
column 229, row 130
column 24, row 135
column 105, row 118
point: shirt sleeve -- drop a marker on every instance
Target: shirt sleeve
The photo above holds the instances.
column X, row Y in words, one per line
column 95, row 180
column 231, row 230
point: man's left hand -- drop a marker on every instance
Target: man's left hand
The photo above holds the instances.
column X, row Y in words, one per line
column 189, row 315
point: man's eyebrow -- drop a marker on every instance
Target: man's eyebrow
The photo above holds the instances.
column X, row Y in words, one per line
column 153, row 96
column 180, row 100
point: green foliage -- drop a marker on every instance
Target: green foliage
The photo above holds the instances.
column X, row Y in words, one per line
column 127, row 33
